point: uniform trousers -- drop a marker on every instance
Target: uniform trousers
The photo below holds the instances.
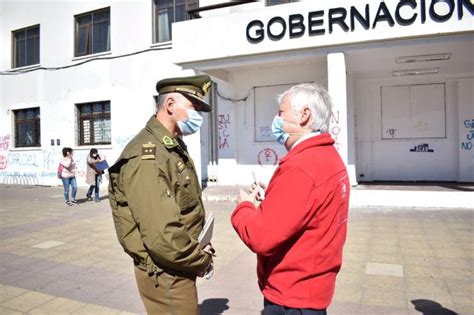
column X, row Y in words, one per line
column 170, row 295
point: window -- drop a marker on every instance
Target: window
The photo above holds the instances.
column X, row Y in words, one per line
column 26, row 44
column 27, row 127
column 275, row 2
column 94, row 123
column 92, row 32
column 168, row 11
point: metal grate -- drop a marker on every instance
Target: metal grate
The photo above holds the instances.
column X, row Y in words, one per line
column 27, row 128
column 94, row 123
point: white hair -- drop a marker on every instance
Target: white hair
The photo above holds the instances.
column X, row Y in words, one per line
column 316, row 98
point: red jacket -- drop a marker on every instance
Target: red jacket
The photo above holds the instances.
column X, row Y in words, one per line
column 299, row 230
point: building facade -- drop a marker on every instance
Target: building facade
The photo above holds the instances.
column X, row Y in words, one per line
column 82, row 75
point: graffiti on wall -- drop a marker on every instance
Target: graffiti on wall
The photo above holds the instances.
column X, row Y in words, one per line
column 3, row 162
column 223, row 127
column 424, row 147
column 122, row 141
column 4, row 143
column 265, row 132
column 335, row 128
column 36, row 167
column 466, row 143
column 391, row 132
column 267, row 156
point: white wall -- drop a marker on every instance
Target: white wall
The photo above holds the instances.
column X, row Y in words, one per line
column 129, row 84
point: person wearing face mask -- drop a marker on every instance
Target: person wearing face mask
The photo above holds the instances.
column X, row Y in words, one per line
column 93, row 175
column 298, row 231
column 156, row 200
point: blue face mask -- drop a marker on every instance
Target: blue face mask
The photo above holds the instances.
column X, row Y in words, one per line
column 192, row 124
column 277, row 130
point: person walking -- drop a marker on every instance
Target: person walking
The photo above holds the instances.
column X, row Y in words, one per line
column 93, row 175
column 156, row 200
column 299, row 229
column 68, row 176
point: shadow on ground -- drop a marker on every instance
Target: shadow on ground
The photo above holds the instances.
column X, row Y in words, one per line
column 428, row 307
column 213, row 306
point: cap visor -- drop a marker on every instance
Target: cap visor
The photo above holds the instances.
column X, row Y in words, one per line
column 203, row 106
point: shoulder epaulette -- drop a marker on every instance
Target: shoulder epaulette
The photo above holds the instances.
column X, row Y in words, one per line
column 148, row 151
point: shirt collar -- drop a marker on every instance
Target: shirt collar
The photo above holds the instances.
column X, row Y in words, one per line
column 305, row 137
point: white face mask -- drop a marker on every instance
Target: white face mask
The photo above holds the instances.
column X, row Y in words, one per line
column 192, row 124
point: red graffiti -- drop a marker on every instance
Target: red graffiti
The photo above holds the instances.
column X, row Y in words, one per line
column 335, row 117
column 267, row 157
column 224, row 123
column 335, row 129
column 5, row 142
column 223, row 142
column 3, row 162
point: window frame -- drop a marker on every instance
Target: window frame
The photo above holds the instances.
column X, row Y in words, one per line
column 37, row 125
column 92, row 116
column 89, row 49
column 267, row 4
column 186, row 3
column 14, row 46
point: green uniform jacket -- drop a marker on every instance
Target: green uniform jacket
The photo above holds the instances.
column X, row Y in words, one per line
column 156, row 203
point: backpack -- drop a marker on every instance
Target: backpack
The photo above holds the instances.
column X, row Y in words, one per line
column 60, row 170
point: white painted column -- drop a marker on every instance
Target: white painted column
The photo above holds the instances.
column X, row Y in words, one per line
column 337, row 88
column 466, row 130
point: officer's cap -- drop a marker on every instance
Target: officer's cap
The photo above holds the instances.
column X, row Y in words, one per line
column 194, row 88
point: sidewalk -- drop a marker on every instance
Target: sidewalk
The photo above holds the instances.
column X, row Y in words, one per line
column 416, row 195
column 57, row 259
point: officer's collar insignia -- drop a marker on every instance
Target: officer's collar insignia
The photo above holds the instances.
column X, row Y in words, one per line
column 181, row 166
column 169, row 142
column 148, row 151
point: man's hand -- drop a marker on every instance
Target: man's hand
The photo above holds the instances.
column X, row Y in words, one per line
column 208, row 249
column 248, row 196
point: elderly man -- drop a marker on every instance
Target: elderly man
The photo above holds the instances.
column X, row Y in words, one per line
column 156, row 200
column 299, row 229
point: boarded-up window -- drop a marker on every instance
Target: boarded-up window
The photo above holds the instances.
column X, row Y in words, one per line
column 413, row 111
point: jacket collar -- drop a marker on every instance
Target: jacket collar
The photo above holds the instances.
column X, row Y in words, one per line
column 157, row 128
column 162, row 134
column 323, row 139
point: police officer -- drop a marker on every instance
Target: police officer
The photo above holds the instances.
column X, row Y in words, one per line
column 156, row 200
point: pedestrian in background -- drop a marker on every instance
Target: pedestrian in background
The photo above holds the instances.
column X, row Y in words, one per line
column 68, row 176
column 93, row 175
column 299, row 229
column 156, row 200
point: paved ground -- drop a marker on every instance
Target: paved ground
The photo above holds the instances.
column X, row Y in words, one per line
column 57, row 259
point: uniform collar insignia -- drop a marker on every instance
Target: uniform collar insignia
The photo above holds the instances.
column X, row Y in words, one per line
column 169, row 142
